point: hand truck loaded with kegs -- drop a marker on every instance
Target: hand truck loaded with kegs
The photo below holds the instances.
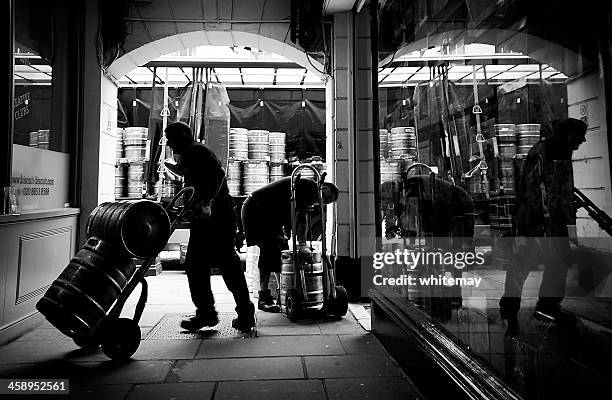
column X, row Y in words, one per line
column 308, row 281
column 86, row 300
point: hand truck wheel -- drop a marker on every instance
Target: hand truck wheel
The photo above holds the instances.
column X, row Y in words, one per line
column 120, row 338
column 293, row 304
column 338, row 306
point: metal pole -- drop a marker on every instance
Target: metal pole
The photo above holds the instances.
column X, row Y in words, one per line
column 6, row 146
column 165, row 113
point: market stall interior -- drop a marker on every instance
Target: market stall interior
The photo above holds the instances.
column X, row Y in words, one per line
column 469, row 112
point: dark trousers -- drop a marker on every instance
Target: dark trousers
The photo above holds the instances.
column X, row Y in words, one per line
column 554, row 253
column 211, row 243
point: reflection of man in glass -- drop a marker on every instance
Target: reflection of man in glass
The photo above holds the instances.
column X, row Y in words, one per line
column 544, row 209
column 448, row 218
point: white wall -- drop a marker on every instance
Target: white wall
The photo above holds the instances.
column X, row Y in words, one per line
column 585, row 97
column 108, row 137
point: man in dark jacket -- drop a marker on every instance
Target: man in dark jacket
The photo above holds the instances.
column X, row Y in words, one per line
column 545, row 207
column 211, row 233
column 265, row 214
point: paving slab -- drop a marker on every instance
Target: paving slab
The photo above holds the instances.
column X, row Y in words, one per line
column 26, row 352
column 346, row 325
column 43, row 335
column 396, row 388
column 286, row 330
column 167, row 349
column 272, row 319
column 361, row 344
column 175, row 391
column 229, row 369
column 349, row 366
column 272, row 346
column 271, row 390
column 97, row 392
column 110, row 372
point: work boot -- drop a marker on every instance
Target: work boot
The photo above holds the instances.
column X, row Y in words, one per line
column 200, row 320
column 266, row 302
column 246, row 318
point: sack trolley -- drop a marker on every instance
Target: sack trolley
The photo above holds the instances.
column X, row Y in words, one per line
column 303, row 292
column 86, row 300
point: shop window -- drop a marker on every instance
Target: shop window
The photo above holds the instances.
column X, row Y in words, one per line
column 477, row 93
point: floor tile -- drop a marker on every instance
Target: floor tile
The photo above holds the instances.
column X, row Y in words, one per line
column 237, row 369
column 166, row 349
column 271, row 390
column 370, row 388
column 271, row 346
column 361, row 344
column 175, row 391
column 349, row 366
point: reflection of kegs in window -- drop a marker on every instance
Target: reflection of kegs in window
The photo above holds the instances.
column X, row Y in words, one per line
column 390, row 171
column 477, row 183
column 33, row 139
column 259, row 147
column 43, row 139
column 239, row 144
column 505, row 133
column 527, row 136
column 403, row 142
column 384, row 143
column 313, row 273
column 256, row 175
column 277, row 147
column 277, row 171
column 501, row 209
column 234, row 177
column 506, row 150
column 171, row 187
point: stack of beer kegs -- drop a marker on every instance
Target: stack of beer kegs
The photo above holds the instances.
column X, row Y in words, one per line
column 239, row 144
column 259, row 145
column 506, row 145
column 120, row 180
column 278, row 157
column 256, row 175
column 527, row 136
column 119, row 144
column 234, row 177
column 277, row 171
column 135, row 145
